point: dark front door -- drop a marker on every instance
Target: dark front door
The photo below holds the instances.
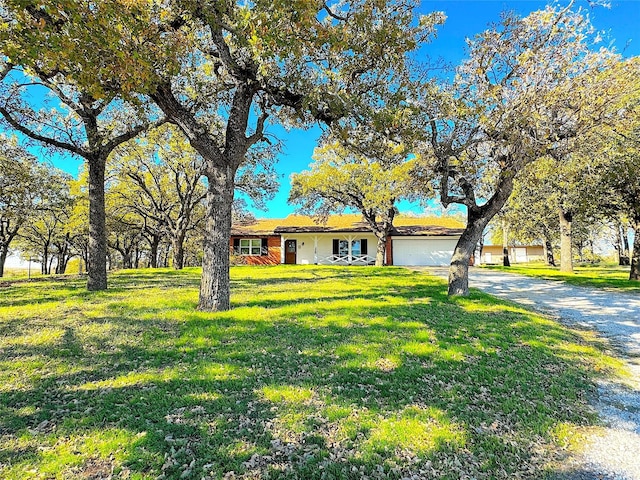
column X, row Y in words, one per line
column 290, row 248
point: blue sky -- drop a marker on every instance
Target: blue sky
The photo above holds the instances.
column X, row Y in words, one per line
column 620, row 25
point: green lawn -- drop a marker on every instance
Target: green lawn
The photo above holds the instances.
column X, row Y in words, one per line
column 318, row 372
column 602, row 276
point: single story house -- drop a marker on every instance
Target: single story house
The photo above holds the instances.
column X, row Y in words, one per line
column 492, row 254
column 344, row 240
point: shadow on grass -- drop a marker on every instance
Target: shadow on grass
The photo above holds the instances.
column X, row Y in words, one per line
column 381, row 376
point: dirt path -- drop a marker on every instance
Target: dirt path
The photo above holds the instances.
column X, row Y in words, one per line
column 615, row 453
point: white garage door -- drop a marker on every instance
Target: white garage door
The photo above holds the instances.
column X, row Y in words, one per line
column 423, row 251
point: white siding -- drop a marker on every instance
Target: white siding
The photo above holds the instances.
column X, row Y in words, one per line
column 306, row 246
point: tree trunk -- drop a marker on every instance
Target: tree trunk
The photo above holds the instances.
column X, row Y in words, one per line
column 566, row 254
column 548, row 253
column 44, row 267
column 126, row 259
column 97, row 265
column 50, row 265
column 165, row 256
column 459, row 268
column 381, row 250
column 624, row 236
column 4, row 251
column 634, row 274
column 215, row 285
column 505, row 245
column 178, row 250
column 154, row 242
column 618, row 245
column 136, row 257
column 479, row 249
column 580, row 245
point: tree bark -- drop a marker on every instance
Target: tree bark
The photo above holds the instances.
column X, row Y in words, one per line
column 459, row 268
column 4, row 251
column 634, row 274
column 215, row 289
column 50, row 264
column 624, row 236
column 153, row 253
column 136, row 257
column 126, row 259
column 44, row 267
column 548, row 253
column 178, row 250
column 566, row 256
column 505, row 245
column 618, row 245
column 97, row 265
column 381, row 250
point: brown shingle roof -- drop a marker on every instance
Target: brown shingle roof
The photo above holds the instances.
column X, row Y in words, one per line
column 403, row 225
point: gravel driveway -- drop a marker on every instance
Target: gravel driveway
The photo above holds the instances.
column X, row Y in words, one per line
column 614, row 454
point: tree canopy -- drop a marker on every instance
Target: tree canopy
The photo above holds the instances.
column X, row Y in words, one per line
column 529, row 88
column 341, row 179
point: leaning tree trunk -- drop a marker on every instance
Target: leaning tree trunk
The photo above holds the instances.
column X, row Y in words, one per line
column 97, row 264
column 459, row 268
column 215, row 285
column 635, row 256
column 477, row 220
column 566, row 256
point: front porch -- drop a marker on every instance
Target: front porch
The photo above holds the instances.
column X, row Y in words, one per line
column 327, row 249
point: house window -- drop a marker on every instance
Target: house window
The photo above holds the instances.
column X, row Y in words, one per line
column 358, row 247
column 250, row 246
column 343, row 250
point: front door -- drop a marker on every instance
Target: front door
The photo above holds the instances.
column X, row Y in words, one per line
column 290, row 248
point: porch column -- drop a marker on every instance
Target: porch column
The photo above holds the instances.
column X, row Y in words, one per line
column 349, row 239
column 282, row 252
column 315, row 250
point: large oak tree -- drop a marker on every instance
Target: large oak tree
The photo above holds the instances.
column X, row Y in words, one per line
column 529, row 88
column 45, row 103
column 219, row 69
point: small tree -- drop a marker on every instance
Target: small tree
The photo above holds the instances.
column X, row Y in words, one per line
column 47, row 230
column 340, row 179
column 21, row 182
column 77, row 121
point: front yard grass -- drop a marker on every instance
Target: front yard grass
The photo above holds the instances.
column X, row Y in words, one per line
column 316, row 373
column 598, row 276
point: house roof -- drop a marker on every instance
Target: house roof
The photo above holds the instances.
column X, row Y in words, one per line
column 403, row 225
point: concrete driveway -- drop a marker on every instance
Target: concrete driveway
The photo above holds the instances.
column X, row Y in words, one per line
column 615, row 453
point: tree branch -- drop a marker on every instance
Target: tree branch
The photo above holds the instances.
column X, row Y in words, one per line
column 41, row 138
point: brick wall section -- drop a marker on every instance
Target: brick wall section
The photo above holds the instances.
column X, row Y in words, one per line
column 389, row 252
column 273, row 245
